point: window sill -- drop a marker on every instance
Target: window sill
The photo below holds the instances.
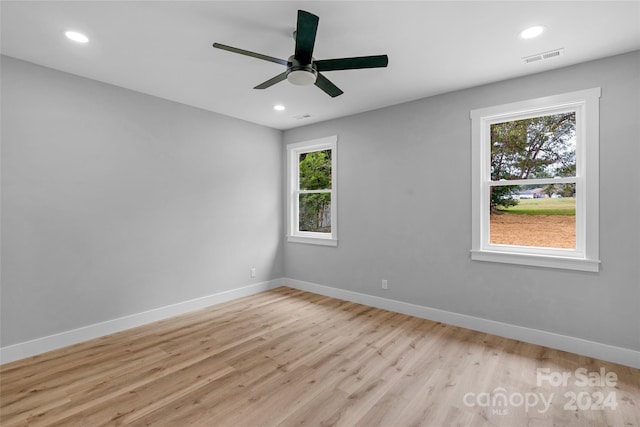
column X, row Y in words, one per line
column 313, row 240
column 567, row 263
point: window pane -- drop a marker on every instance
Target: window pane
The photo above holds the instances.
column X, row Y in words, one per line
column 314, row 212
column 315, row 170
column 539, row 147
column 528, row 215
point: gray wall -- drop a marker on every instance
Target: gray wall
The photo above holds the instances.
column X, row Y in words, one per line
column 114, row 202
column 404, row 192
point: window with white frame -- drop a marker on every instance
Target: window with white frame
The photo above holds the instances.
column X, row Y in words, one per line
column 535, row 182
column 312, row 196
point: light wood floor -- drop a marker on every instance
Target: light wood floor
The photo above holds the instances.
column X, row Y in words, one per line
column 288, row 358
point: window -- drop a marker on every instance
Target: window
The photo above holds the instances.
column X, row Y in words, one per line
column 312, row 197
column 535, row 182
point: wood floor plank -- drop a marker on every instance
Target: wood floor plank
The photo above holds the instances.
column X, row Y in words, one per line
column 290, row 358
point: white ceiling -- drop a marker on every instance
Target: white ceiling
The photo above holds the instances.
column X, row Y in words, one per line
column 163, row 48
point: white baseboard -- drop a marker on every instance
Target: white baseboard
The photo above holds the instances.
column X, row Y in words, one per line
column 596, row 350
column 622, row 356
column 63, row 339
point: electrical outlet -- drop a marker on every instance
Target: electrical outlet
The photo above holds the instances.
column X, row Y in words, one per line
column 252, row 273
column 385, row 284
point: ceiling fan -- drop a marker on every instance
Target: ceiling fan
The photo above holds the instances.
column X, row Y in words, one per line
column 302, row 68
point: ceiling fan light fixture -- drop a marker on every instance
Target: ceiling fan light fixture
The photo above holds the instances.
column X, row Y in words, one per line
column 302, row 77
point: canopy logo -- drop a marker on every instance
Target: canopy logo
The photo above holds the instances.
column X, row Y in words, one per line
column 501, row 401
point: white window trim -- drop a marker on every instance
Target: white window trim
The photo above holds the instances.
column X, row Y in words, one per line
column 586, row 255
column 293, row 175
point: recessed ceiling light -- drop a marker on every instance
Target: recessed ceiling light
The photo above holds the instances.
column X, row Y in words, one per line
column 76, row 36
column 532, row 32
column 278, row 107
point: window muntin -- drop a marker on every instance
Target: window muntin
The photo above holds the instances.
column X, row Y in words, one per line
column 312, row 191
column 545, row 148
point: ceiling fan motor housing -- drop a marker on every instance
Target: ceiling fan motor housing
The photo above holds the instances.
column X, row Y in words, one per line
column 301, row 74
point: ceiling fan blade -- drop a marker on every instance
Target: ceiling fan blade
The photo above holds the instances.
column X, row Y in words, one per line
column 355, row 63
column 251, row 54
column 272, row 81
column 306, row 36
column 325, row 84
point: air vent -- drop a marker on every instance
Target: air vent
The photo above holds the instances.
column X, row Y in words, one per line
column 543, row 56
column 302, row 116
